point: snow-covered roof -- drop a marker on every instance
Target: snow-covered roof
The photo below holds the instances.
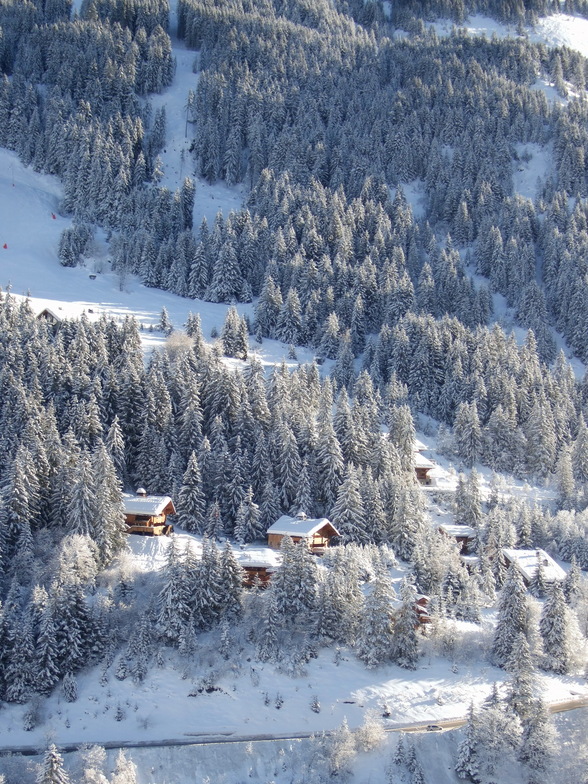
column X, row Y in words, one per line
column 527, row 561
column 299, row 526
column 458, row 530
column 258, row 558
column 418, row 446
column 420, row 461
column 48, row 313
column 147, row 504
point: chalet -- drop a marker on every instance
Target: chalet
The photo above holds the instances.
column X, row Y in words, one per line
column 464, row 535
column 147, row 514
column 422, row 464
column 421, row 605
column 527, row 561
column 50, row 317
column 317, row 533
column 258, row 564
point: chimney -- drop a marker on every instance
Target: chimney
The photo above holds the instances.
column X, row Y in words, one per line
column 141, row 491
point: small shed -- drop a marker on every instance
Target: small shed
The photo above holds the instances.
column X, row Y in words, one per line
column 527, row 561
column 258, row 564
column 317, row 533
column 464, row 535
column 147, row 514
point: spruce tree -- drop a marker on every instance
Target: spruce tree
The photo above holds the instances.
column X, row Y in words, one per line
column 513, row 617
column 374, row 634
column 348, row 514
column 404, row 648
column 248, row 526
column 554, row 627
column 191, row 506
column 51, row 770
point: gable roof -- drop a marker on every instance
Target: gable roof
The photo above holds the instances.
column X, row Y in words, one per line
column 527, row 561
column 458, row 530
column 258, row 558
column 147, row 504
column 420, row 461
column 47, row 313
column 296, row 526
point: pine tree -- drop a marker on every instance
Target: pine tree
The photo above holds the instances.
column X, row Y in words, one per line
column 52, row 771
column 572, row 582
column 248, row 526
column 115, row 444
column 348, row 515
column 375, row 628
column 295, row 582
column 268, row 648
column 466, row 765
column 81, row 514
column 537, row 584
column 231, row 583
column 538, row 742
column 329, row 464
column 47, row 672
column 110, row 529
column 164, row 323
column 468, row 433
column 513, row 617
column 523, row 681
column 191, row 503
column 404, row 648
column 125, row 771
column 234, row 335
column 554, row 628
column 173, row 609
column 69, row 688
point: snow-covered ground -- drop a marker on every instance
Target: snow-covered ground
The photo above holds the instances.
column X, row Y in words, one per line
column 554, row 30
column 284, row 762
column 30, row 227
column 562, row 30
column 253, row 698
column 160, row 707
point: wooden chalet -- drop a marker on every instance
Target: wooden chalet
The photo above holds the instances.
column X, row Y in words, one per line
column 147, row 514
column 421, row 605
column 258, row 564
column 464, row 535
column 317, row 533
column 50, row 317
column 527, row 562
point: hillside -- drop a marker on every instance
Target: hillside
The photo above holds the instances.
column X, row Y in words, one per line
column 400, row 200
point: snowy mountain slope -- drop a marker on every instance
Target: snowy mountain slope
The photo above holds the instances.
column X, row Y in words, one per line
column 554, row 30
column 162, row 703
column 30, row 265
column 249, row 697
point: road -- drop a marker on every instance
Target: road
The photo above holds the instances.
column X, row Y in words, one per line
column 204, row 739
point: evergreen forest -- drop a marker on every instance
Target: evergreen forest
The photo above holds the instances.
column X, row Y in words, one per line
column 465, row 319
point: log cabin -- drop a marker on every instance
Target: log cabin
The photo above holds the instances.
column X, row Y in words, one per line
column 317, row 533
column 147, row 514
